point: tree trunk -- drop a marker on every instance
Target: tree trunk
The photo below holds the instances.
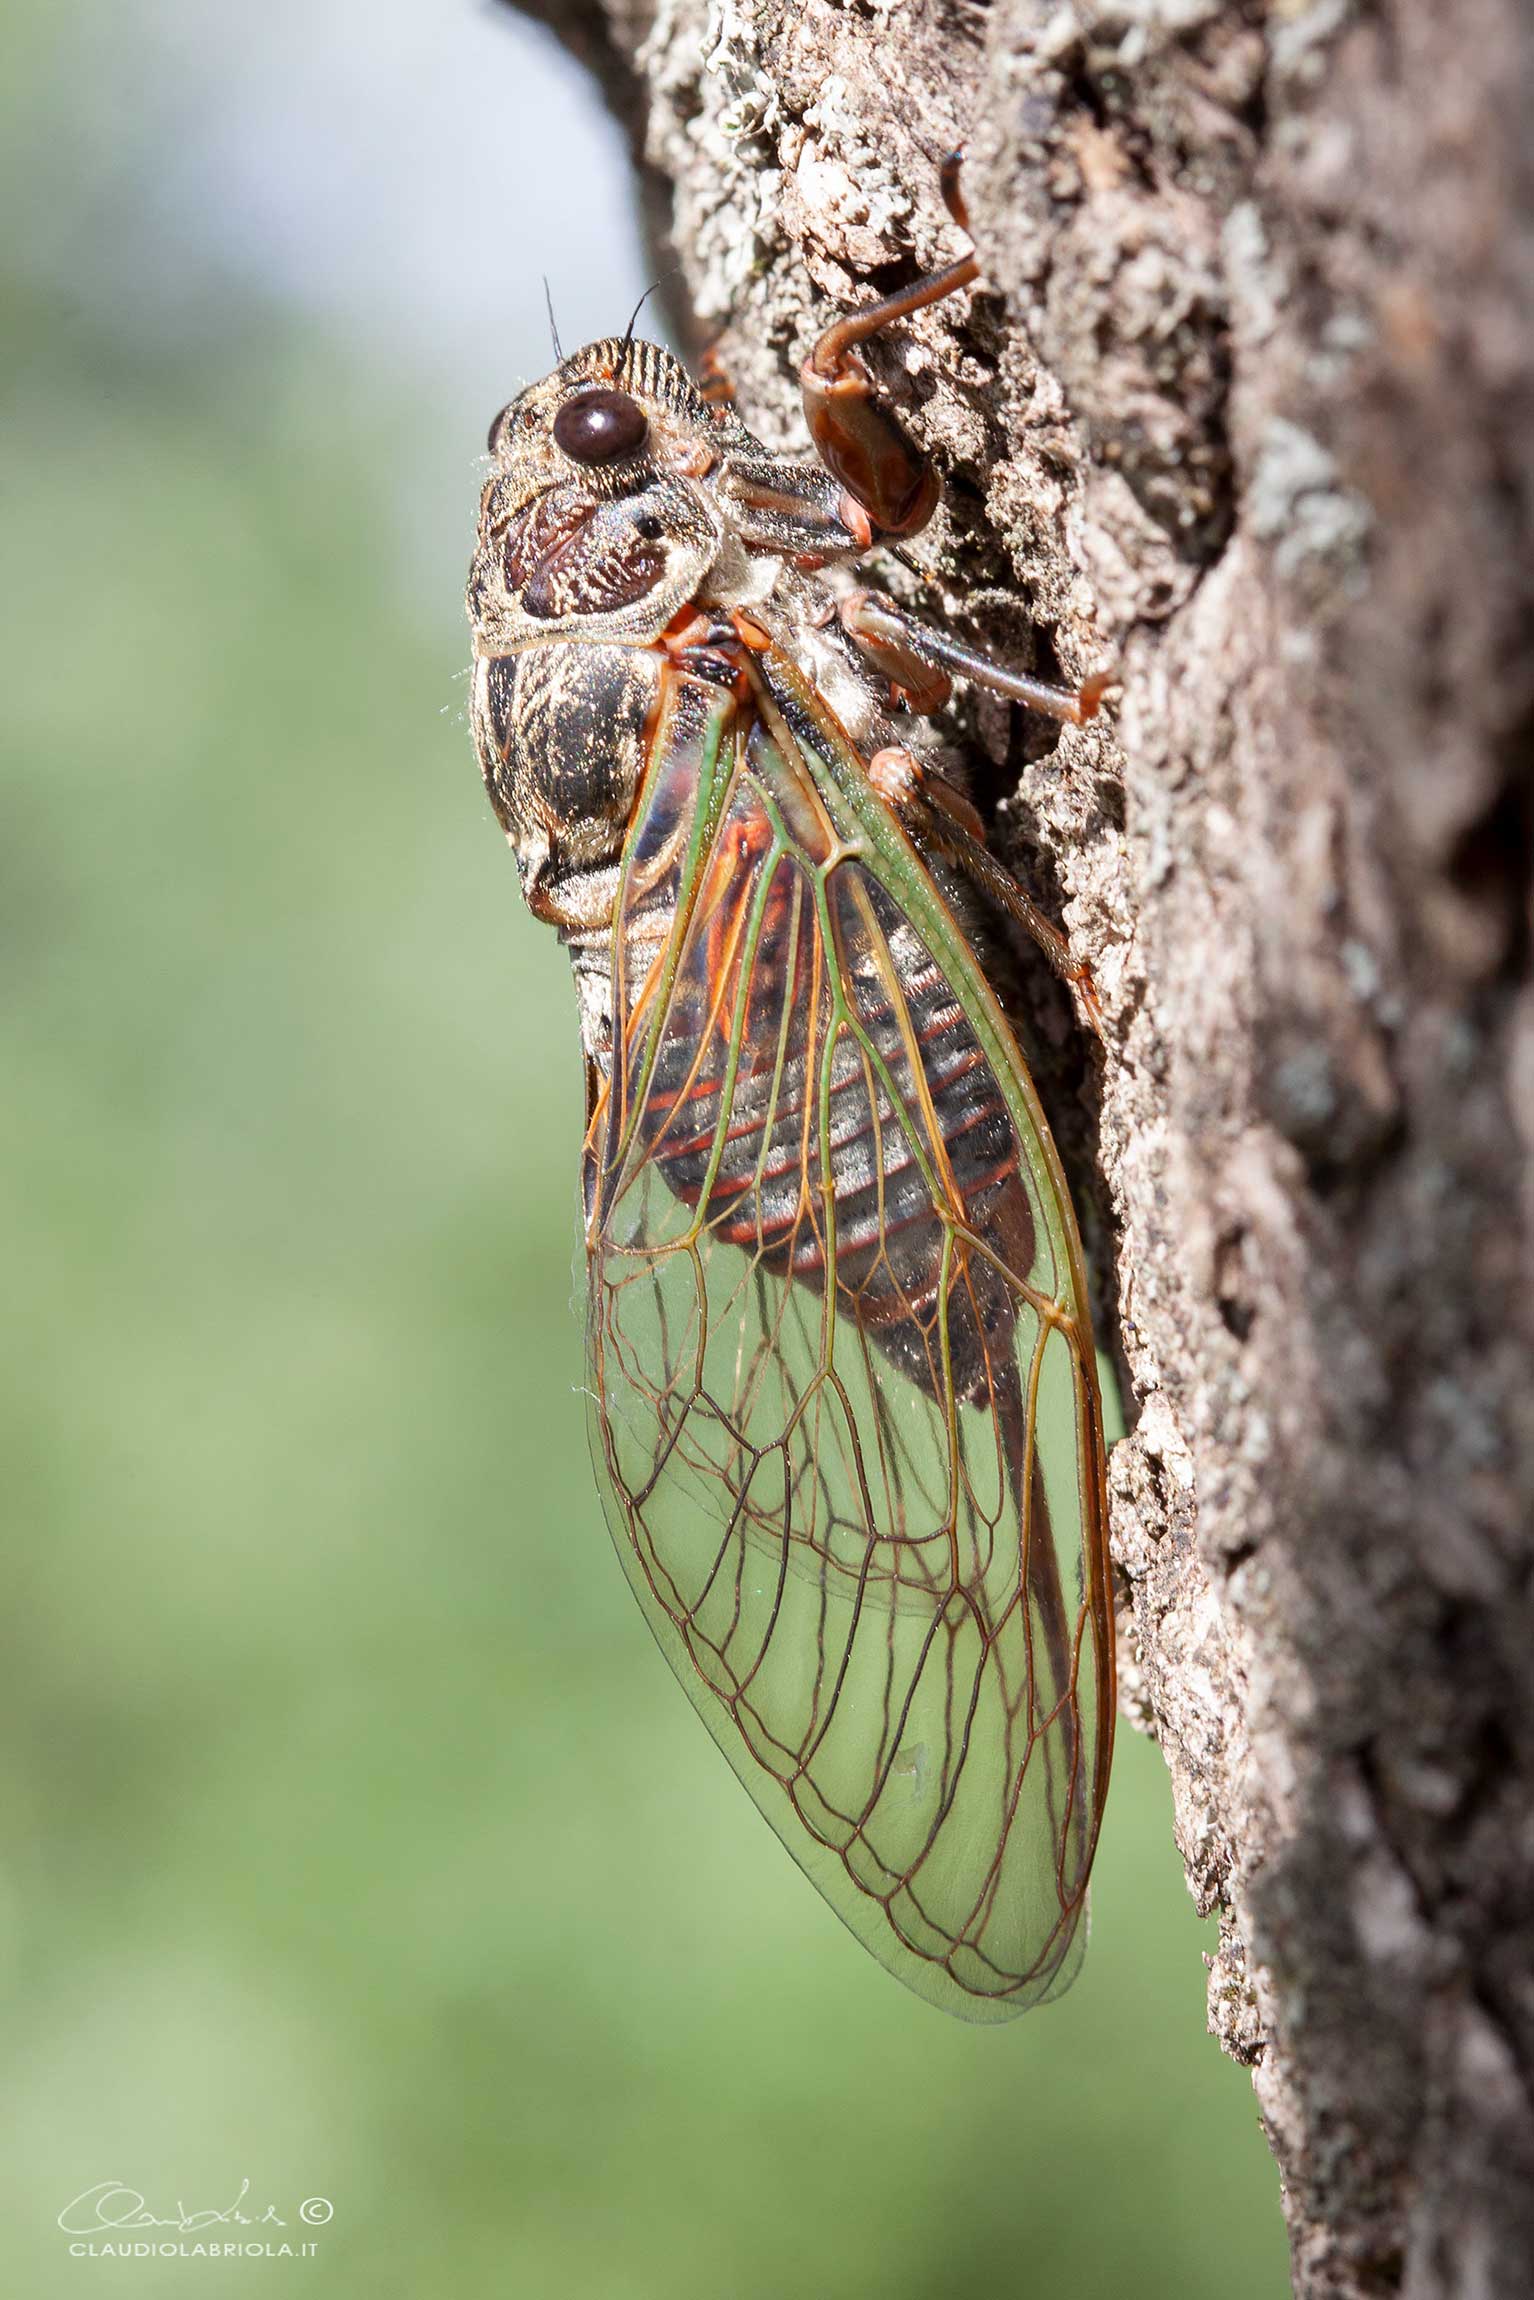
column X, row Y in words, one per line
column 1243, row 403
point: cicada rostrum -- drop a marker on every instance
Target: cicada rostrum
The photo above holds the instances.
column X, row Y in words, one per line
column 844, row 1401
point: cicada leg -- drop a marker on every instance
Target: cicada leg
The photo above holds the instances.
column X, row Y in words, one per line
column 856, row 433
column 940, row 816
column 916, row 660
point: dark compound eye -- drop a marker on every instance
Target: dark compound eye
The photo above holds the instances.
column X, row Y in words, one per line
column 601, row 427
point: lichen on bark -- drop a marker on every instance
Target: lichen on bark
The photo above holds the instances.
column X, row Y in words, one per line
column 1244, row 402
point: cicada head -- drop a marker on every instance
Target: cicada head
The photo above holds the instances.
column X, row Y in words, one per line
column 594, row 522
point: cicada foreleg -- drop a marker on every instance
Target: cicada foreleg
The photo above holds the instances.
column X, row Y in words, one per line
column 857, row 435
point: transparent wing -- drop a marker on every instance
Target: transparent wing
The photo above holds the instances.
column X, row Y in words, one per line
column 842, row 1374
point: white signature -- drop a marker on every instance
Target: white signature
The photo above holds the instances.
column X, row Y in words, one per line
column 112, row 2204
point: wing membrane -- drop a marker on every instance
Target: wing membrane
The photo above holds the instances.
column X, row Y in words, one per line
column 842, row 1370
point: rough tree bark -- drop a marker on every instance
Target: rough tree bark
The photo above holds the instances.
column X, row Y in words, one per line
column 1244, row 402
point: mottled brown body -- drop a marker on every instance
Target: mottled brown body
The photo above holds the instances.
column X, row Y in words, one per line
column 843, row 1390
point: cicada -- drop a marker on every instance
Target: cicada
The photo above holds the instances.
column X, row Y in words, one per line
column 844, row 1401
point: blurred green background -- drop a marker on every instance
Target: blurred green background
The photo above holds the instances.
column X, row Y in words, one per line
column 359, row 1842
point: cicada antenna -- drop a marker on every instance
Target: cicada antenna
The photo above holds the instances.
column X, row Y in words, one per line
column 628, row 333
column 548, row 297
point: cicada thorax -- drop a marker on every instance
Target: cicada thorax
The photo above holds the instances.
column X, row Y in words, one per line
column 561, row 734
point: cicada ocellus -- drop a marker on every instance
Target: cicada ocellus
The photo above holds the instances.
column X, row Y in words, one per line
column 844, row 1402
